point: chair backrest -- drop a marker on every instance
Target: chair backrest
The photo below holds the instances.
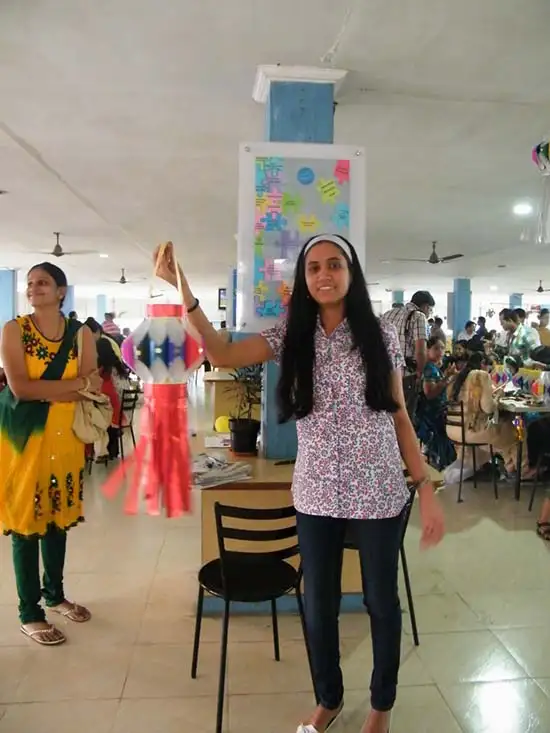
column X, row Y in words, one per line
column 253, row 539
column 455, row 419
column 128, row 404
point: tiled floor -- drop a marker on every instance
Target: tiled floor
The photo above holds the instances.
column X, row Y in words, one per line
column 482, row 603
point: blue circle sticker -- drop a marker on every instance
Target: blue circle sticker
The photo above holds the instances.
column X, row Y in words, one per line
column 306, row 176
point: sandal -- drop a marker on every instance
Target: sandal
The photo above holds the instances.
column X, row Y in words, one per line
column 72, row 611
column 543, row 530
column 47, row 636
column 310, row 728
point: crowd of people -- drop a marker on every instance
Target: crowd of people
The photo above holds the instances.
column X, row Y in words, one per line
column 441, row 372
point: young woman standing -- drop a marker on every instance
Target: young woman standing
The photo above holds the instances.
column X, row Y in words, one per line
column 41, row 459
column 341, row 381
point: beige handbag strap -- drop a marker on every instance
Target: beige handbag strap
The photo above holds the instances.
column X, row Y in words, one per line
column 79, row 347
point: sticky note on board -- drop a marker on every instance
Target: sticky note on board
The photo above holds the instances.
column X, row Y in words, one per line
column 328, row 189
column 341, row 171
column 308, row 223
column 291, row 203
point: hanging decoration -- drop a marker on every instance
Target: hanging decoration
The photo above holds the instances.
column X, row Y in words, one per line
column 163, row 351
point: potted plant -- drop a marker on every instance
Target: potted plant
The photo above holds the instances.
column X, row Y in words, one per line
column 243, row 428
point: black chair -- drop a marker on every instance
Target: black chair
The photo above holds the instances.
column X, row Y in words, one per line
column 128, row 405
column 349, row 544
column 249, row 576
column 455, row 419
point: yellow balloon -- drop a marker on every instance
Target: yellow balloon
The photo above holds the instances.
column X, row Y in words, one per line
column 222, row 424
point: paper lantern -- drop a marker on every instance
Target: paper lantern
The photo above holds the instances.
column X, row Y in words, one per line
column 163, row 351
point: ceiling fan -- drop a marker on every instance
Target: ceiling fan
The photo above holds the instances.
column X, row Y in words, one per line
column 58, row 250
column 433, row 259
column 123, row 280
column 540, row 289
column 370, row 285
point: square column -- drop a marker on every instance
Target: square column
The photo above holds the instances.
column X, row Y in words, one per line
column 8, row 301
column 462, row 304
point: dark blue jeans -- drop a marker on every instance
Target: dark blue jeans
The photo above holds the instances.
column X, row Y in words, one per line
column 378, row 541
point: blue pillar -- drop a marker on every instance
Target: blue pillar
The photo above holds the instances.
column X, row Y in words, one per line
column 300, row 112
column 397, row 296
column 516, row 300
column 462, row 304
column 68, row 305
column 101, row 308
column 295, row 112
column 8, row 295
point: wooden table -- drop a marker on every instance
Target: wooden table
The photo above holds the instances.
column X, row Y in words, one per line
column 269, row 487
column 519, row 409
column 221, row 397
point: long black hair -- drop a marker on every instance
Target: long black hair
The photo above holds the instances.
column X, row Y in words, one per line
column 476, row 361
column 109, row 361
column 295, row 388
column 56, row 273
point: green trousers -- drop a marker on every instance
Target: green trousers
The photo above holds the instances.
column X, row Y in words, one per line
column 27, row 572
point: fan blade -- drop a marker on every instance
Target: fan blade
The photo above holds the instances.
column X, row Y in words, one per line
column 450, row 258
column 81, row 252
column 373, row 283
column 405, row 259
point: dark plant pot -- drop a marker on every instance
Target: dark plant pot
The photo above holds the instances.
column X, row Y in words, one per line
column 244, row 436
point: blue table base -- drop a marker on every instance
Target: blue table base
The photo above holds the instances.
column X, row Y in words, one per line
column 351, row 603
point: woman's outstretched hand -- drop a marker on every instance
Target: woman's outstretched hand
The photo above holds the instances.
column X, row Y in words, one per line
column 433, row 521
column 165, row 265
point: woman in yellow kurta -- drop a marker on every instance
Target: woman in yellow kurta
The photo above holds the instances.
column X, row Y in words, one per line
column 41, row 459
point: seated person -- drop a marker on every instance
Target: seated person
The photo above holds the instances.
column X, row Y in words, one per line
column 473, row 387
column 432, row 405
column 115, row 380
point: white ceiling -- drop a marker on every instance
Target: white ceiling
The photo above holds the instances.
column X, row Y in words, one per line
column 120, row 122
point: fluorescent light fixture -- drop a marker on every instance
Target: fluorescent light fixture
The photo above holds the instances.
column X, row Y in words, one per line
column 493, row 288
column 103, row 255
column 523, row 208
column 279, row 262
column 384, row 262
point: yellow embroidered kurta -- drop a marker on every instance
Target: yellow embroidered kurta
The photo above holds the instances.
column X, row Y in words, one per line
column 43, row 484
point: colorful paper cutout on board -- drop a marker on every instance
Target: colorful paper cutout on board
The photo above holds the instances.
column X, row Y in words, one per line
column 306, row 176
column 308, row 223
column 261, row 203
column 329, row 190
column 273, row 221
column 288, row 211
column 291, row 203
column 340, row 218
column 341, row 171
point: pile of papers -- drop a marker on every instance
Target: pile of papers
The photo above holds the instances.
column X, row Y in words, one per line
column 213, row 470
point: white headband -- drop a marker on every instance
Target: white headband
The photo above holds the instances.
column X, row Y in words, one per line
column 335, row 239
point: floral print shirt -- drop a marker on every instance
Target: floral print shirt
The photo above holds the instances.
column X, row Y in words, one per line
column 348, row 464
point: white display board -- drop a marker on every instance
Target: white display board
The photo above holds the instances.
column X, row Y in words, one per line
column 289, row 192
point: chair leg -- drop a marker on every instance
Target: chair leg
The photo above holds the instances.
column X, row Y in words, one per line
column 223, row 665
column 300, row 602
column 121, row 439
column 475, row 465
column 409, row 595
column 197, row 640
column 535, row 484
column 133, row 435
column 459, row 499
column 494, row 470
column 275, row 622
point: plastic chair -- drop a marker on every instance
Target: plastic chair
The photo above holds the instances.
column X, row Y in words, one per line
column 249, row 576
column 455, row 419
